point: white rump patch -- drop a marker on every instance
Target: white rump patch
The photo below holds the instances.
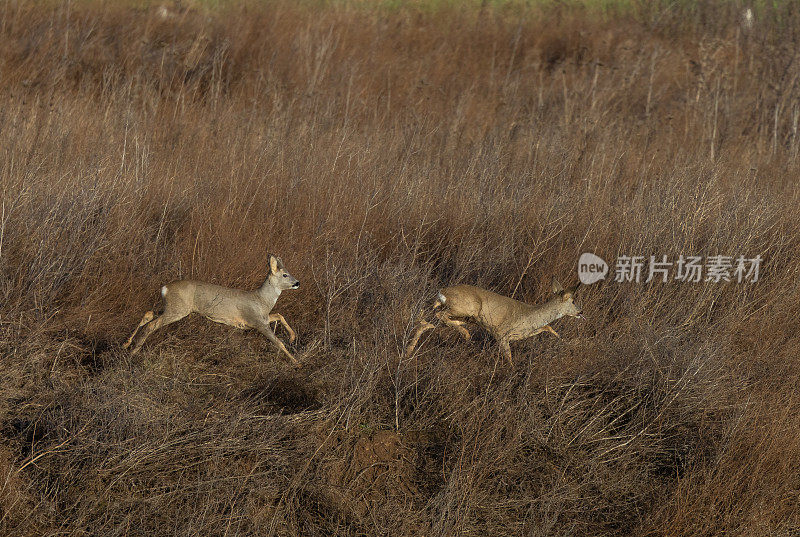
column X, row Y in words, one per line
column 441, row 298
column 164, row 291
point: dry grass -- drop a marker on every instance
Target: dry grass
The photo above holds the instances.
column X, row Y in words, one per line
column 383, row 152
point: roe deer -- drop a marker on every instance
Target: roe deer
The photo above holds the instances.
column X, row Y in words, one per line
column 234, row 307
column 506, row 319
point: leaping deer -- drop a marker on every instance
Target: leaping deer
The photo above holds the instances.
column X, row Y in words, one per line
column 234, row 307
column 508, row 320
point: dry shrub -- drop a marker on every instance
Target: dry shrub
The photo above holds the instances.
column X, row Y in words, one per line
column 384, row 151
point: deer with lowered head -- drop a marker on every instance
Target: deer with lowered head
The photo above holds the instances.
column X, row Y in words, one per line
column 234, row 307
column 508, row 320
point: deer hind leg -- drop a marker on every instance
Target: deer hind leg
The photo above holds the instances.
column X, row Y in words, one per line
column 267, row 331
column 444, row 316
column 159, row 322
column 422, row 327
column 278, row 318
column 148, row 316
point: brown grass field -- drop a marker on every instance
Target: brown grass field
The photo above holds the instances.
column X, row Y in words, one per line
column 385, row 151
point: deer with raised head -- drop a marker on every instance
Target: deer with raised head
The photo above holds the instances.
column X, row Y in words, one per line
column 508, row 320
column 234, row 307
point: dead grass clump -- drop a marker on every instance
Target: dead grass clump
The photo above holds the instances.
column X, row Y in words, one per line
column 16, row 496
column 285, row 394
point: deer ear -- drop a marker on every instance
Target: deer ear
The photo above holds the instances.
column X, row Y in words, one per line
column 280, row 263
column 273, row 264
column 574, row 288
column 557, row 287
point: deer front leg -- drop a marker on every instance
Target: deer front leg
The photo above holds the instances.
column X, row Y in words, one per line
column 550, row 329
column 444, row 316
column 278, row 318
column 546, row 328
column 505, row 346
column 267, row 331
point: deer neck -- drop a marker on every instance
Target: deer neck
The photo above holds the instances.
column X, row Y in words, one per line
column 548, row 312
column 268, row 293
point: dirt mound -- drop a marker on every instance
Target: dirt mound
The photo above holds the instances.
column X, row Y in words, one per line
column 383, row 466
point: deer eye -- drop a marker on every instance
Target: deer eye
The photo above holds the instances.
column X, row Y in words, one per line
column 285, row 275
